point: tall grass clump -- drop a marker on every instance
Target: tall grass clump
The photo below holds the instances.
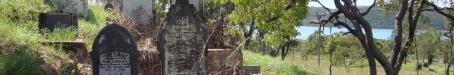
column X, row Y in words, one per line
column 271, row 65
column 21, row 50
column 20, row 63
column 89, row 26
column 19, row 37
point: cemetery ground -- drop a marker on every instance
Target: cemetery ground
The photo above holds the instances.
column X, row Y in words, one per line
column 20, row 39
column 298, row 65
column 21, row 51
column 24, row 54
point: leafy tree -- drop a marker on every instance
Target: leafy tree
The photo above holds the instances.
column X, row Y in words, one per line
column 361, row 29
column 343, row 47
column 274, row 20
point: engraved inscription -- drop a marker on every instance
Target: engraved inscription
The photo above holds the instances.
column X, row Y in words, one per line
column 115, row 63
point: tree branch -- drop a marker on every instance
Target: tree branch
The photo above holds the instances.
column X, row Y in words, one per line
column 427, row 9
column 437, row 9
column 326, row 8
column 286, row 8
column 368, row 9
column 398, row 38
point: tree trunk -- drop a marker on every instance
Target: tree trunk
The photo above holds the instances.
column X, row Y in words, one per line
column 319, row 46
column 248, row 35
column 261, row 42
column 398, row 35
column 330, row 64
column 447, row 68
column 370, row 57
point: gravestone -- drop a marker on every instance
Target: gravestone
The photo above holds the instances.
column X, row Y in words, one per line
column 57, row 19
column 182, row 41
column 196, row 3
column 114, row 52
column 252, row 70
column 78, row 6
column 140, row 11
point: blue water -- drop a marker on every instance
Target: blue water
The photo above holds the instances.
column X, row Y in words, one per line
column 305, row 31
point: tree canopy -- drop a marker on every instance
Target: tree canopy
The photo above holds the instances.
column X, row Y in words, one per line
column 276, row 19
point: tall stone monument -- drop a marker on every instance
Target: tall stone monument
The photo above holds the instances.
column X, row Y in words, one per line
column 182, row 41
column 114, row 52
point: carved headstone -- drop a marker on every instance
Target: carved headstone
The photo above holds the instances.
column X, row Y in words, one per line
column 182, row 41
column 57, row 19
column 114, row 52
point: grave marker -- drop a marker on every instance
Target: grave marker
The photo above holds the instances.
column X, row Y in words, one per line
column 114, row 52
column 78, row 6
column 182, row 41
column 140, row 11
column 57, row 19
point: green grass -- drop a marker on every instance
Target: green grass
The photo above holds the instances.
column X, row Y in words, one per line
column 271, row 65
column 21, row 51
column 90, row 26
column 20, row 63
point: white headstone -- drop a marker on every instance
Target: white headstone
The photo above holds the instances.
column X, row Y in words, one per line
column 79, row 6
column 141, row 11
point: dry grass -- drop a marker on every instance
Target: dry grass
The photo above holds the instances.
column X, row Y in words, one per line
column 311, row 64
column 145, row 35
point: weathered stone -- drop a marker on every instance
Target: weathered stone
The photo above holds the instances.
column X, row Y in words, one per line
column 114, row 52
column 196, row 3
column 140, row 11
column 252, row 69
column 182, row 41
column 57, row 19
column 225, row 62
column 79, row 6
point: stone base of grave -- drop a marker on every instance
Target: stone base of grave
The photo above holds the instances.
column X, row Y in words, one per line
column 225, row 62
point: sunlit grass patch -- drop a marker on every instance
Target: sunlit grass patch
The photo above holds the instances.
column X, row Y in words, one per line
column 272, row 65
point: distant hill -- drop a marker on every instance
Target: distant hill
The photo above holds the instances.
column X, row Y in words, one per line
column 377, row 17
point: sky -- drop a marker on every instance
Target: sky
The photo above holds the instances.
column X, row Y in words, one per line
column 330, row 3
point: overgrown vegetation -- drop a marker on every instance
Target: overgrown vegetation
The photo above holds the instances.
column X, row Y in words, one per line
column 273, row 66
column 21, row 51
